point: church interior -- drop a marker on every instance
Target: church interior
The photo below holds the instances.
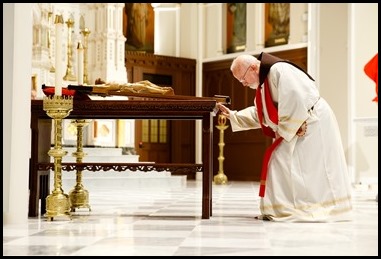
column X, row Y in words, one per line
column 113, row 144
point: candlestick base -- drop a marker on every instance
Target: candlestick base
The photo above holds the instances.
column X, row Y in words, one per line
column 69, row 76
column 79, row 198
column 57, row 204
column 220, row 178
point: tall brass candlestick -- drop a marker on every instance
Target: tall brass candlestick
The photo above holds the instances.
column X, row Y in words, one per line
column 85, row 32
column 69, row 76
column 57, row 108
column 221, row 178
column 79, row 196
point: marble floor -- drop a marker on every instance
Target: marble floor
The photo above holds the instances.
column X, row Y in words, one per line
column 149, row 219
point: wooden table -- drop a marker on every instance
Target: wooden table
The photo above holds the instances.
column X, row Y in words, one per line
column 196, row 109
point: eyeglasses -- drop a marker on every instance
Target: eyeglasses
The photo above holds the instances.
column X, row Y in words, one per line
column 244, row 75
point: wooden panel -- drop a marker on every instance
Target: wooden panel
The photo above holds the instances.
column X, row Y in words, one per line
column 297, row 56
column 243, row 151
column 182, row 72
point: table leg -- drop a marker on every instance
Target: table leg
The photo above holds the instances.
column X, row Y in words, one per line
column 39, row 180
column 207, row 160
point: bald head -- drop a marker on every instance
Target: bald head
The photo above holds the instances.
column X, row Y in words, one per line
column 245, row 68
column 243, row 62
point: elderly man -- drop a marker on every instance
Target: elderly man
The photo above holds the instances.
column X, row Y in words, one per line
column 304, row 175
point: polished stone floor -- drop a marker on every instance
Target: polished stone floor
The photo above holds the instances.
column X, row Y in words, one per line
column 153, row 219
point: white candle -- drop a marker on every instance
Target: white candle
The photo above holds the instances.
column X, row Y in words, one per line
column 80, row 63
column 59, row 66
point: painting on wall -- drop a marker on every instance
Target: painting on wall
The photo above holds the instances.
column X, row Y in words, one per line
column 69, row 133
column 235, row 27
column 138, row 27
column 277, row 24
column 104, row 133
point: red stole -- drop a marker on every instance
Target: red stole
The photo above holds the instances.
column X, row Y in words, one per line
column 273, row 115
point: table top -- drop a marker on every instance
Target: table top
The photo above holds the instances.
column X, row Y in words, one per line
column 135, row 108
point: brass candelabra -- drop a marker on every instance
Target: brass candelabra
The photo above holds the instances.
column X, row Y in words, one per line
column 69, row 76
column 79, row 196
column 57, row 107
column 220, row 177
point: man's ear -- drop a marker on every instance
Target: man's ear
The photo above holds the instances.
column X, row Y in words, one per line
column 255, row 68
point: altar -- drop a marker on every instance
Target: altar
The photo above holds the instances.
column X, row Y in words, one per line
column 145, row 108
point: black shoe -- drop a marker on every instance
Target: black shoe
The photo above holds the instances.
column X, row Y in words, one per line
column 264, row 217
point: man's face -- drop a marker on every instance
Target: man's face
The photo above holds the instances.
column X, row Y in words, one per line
column 248, row 76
